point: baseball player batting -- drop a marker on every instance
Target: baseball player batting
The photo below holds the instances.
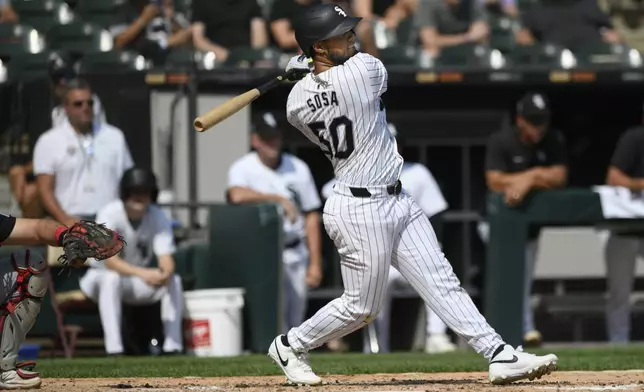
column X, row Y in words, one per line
column 24, row 284
column 373, row 222
column 422, row 187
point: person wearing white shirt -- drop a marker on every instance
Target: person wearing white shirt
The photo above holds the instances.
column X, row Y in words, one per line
column 79, row 163
column 61, row 72
column 267, row 175
column 129, row 277
column 423, row 188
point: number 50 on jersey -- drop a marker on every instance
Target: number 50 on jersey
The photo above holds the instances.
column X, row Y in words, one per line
column 333, row 145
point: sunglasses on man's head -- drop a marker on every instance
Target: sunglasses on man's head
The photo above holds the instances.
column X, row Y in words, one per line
column 78, row 104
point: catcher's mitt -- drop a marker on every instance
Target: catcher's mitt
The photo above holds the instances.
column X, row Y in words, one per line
column 87, row 239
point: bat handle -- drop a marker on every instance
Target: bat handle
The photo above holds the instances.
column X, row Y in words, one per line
column 271, row 84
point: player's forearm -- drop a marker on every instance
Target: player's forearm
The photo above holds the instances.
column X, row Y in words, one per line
column 258, row 34
column 617, row 178
column 477, row 32
column 204, row 44
column 511, row 10
column 130, row 33
column 286, row 39
column 17, row 180
column 313, row 237
column 122, row 267
column 35, row 232
column 241, row 195
column 180, row 37
column 498, row 181
column 450, row 40
column 549, row 178
column 363, row 8
column 53, row 207
column 166, row 265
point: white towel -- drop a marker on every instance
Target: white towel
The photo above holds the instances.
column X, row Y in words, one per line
column 620, row 202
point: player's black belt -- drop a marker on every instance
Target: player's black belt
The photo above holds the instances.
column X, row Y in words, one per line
column 293, row 244
column 364, row 192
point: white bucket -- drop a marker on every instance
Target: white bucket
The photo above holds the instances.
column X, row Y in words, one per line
column 212, row 322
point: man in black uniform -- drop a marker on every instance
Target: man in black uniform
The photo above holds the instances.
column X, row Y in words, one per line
column 626, row 170
column 527, row 157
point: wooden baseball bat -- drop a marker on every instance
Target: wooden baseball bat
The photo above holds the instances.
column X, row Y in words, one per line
column 235, row 104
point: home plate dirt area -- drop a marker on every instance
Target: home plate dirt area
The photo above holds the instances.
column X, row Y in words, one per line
column 558, row 381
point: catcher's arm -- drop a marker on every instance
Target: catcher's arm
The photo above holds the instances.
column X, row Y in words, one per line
column 19, row 231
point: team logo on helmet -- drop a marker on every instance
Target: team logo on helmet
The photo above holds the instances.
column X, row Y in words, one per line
column 538, row 101
column 340, row 11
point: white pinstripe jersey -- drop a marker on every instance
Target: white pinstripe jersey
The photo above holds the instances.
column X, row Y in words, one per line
column 341, row 111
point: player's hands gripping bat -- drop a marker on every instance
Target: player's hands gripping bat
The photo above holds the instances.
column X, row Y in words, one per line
column 87, row 239
column 296, row 69
column 301, row 64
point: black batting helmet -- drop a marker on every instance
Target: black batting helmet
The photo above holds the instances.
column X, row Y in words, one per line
column 139, row 180
column 320, row 22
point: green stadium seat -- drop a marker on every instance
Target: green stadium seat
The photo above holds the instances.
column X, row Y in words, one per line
column 245, row 56
column 112, row 61
column 30, row 66
column 526, row 4
column 16, row 39
column 105, row 13
column 502, row 34
column 399, row 55
column 461, row 55
column 406, row 33
column 181, row 58
column 539, row 55
column 43, row 14
column 602, row 54
column 506, row 43
column 80, row 38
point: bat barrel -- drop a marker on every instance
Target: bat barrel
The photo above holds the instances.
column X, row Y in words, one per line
column 199, row 124
column 233, row 105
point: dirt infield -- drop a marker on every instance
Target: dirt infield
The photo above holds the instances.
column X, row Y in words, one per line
column 435, row 382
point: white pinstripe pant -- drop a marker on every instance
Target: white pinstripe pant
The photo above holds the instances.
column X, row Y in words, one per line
column 371, row 234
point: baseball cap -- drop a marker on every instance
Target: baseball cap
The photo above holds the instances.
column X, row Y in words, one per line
column 265, row 126
column 535, row 108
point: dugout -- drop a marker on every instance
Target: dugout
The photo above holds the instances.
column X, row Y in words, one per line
column 444, row 116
